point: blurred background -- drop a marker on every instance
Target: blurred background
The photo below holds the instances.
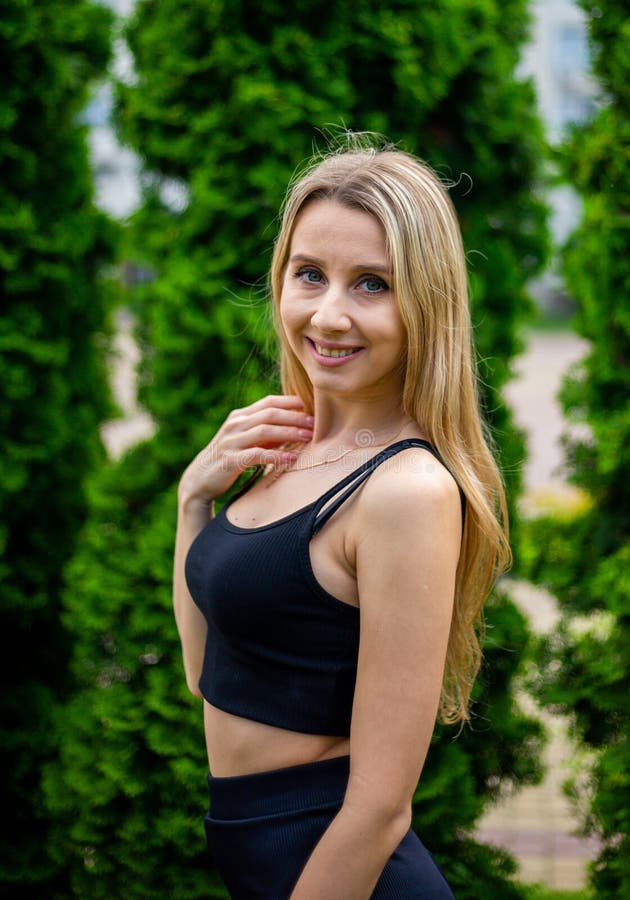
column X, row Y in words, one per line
column 145, row 149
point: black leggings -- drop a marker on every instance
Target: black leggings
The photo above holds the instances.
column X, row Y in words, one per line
column 262, row 828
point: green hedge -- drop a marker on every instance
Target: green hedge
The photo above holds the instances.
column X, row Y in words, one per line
column 55, row 313
column 228, row 99
column 585, row 559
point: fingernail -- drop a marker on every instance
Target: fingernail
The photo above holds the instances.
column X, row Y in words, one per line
column 310, row 420
column 307, row 435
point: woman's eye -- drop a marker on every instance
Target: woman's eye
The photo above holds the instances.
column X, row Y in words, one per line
column 310, row 276
column 373, row 285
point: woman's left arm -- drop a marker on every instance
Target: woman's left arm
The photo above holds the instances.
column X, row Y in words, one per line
column 407, row 547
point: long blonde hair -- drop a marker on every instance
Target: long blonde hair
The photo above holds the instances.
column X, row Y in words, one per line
column 440, row 388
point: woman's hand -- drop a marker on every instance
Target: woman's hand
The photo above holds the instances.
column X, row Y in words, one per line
column 249, row 437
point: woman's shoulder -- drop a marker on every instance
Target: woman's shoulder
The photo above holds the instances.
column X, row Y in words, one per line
column 411, row 485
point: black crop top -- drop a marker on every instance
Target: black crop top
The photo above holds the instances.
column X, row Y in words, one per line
column 280, row 649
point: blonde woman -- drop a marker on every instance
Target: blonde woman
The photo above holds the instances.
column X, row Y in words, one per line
column 328, row 613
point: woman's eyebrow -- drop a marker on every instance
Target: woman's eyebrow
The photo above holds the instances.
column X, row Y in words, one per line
column 362, row 267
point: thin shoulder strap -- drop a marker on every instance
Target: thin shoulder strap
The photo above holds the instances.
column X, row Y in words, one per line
column 355, row 479
column 247, row 484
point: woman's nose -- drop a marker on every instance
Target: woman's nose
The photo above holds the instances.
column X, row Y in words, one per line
column 331, row 314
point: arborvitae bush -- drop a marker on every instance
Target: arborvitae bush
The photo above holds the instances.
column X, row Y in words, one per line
column 585, row 557
column 53, row 245
column 227, row 100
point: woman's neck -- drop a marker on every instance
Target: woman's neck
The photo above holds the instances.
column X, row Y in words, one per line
column 362, row 424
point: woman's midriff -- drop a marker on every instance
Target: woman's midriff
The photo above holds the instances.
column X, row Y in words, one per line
column 238, row 746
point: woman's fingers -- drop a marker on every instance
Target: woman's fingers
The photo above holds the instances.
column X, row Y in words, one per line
column 271, row 412
column 263, row 424
column 262, row 456
column 251, row 436
column 271, row 401
column 285, row 401
column 266, row 435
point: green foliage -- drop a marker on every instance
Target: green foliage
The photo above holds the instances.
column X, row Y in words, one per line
column 586, row 560
column 538, row 892
column 498, row 752
column 53, row 244
column 226, row 102
column 232, row 112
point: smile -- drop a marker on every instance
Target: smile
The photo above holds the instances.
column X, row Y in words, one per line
column 329, row 354
column 334, row 351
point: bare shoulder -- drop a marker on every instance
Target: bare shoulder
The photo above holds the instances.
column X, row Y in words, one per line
column 409, row 490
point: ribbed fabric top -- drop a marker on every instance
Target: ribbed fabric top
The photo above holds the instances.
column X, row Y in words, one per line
column 280, row 649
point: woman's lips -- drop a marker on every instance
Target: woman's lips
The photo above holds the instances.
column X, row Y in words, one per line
column 330, row 354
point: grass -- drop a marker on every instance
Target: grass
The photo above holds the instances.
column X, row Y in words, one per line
column 550, row 322
column 538, row 892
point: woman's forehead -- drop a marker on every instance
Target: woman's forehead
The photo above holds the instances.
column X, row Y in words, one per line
column 331, row 227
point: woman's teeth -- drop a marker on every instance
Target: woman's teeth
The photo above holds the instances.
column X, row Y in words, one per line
column 327, row 351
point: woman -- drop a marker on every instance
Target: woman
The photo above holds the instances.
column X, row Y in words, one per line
column 328, row 613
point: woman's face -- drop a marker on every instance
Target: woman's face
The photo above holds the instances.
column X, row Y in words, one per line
column 337, row 307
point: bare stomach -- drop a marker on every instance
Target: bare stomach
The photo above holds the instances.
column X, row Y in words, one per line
column 238, row 746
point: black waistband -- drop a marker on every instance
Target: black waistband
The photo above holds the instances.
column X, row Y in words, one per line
column 320, row 783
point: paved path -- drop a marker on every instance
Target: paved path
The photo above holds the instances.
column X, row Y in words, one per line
column 532, row 396
column 537, row 824
column 135, row 424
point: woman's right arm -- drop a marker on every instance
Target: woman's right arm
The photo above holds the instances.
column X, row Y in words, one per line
column 192, row 515
column 247, row 438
